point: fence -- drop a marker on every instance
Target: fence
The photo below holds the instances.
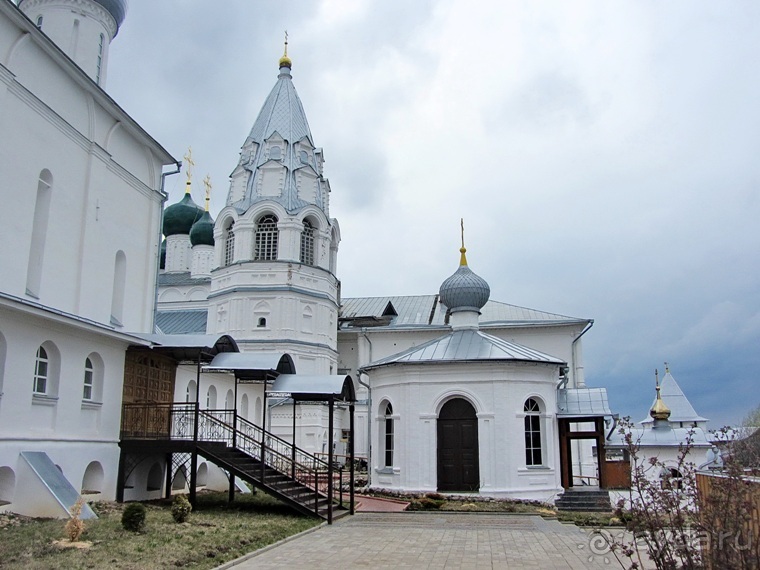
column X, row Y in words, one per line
column 730, row 511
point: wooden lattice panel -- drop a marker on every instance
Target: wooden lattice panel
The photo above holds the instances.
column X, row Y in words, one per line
column 148, row 377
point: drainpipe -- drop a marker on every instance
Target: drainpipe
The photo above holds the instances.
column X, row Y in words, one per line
column 164, row 198
column 575, row 355
column 369, row 403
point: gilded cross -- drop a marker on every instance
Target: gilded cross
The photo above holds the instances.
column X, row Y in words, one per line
column 207, row 184
column 190, row 163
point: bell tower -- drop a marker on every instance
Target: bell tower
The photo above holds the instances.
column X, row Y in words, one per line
column 275, row 286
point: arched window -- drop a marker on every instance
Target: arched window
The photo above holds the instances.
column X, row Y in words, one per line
column 47, row 367
column 265, row 247
column 229, row 245
column 244, row 406
column 119, row 287
column 89, row 374
column 211, row 398
column 39, row 233
column 262, row 322
column 190, row 392
column 229, row 400
column 275, row 153
column 388, row 436
column 155, row 478
column 257, row 412
column 41, row 371
column 307, row 243
column 671, row 478
column 39, row 22
column 7, row 484
column 92, row 482
column 532, row 411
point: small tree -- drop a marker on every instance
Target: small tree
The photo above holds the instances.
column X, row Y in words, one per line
column 661, row 509
column 681, row 526
column 181, row 508
column 133, row 517
column 75, row 526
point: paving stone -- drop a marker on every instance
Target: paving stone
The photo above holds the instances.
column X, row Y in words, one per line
column 464, row 541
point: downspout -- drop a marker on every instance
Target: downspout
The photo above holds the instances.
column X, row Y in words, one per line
column 369, row 402
column 164, row 198
column 574, row 354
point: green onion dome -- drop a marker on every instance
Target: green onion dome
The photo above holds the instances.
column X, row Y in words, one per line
column 180, row 217
column 202, row 232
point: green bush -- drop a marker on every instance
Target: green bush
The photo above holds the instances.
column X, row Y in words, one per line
column 133, row 517
column 181, row 508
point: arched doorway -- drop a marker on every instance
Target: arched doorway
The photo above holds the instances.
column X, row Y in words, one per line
column 458, row 447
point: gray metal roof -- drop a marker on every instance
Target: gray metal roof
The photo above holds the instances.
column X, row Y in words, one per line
column 681, row 409
column 190, row 347
column 582, row 402
column 427, row 311
column 282, row 114
column 660, row 437
column 314, row 388
column 182, row 322
column 465, row 346
column 181, row 278
column 252, row 366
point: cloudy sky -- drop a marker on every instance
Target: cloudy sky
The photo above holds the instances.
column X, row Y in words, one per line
column 603, row 154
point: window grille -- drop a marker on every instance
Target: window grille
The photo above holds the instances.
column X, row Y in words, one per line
column 265, row 248
column 89, row 373
column 389, row 436
column 532, row 433
column 41, row 372
column 307, row 243
column 229, row 246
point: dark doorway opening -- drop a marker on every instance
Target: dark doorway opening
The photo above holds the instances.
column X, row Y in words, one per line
column 458, row 447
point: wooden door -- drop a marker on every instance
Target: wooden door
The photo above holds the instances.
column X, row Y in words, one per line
column 458, row 458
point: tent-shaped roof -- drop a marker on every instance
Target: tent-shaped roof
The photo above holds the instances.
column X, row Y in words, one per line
column 681, row 409
column 465, row 346
column 190, row 347
column 314, row 388
column 249, row 366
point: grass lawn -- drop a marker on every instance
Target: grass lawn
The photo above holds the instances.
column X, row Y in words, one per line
column 216, row 532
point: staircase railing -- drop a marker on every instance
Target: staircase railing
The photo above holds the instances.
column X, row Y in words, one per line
column 177, row 422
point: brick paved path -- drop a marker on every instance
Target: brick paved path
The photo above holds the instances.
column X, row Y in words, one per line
column 435, row 540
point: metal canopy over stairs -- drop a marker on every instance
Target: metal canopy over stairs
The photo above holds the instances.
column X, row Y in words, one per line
column 299, row 479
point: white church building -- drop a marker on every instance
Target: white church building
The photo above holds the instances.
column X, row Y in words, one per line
column 453, row 392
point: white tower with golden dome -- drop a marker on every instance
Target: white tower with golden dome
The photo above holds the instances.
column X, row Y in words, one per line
column 274, row 286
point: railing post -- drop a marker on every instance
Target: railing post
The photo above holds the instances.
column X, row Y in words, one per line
column 330, row 462
column 231, row 496
column 293, row 450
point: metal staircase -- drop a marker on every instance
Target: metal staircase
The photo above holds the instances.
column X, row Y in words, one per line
column 296, row 477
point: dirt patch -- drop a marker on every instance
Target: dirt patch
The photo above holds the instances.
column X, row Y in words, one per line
column 80, row 544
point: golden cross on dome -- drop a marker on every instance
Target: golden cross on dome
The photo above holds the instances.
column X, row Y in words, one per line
column 207, row 184
column 462, row 250
column 190, row 163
